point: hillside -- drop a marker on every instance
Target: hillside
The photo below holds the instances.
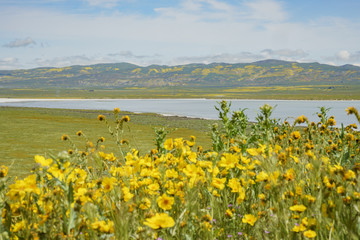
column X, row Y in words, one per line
column 262, row 73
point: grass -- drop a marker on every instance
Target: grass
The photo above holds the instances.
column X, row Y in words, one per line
column 308, row 92
column 30, row 131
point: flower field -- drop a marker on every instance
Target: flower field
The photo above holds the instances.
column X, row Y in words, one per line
column 263, row 180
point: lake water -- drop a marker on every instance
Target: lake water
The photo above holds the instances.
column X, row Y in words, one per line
column 198, row 108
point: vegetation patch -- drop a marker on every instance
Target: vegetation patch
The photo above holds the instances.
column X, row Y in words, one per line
column 272, row 180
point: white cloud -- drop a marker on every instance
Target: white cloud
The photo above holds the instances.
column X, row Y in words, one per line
column 102, row 3
column 285, row 54
column 199, row 5
column 265, row 10
column 71, row 60
column 123, row 56
column 219, row 58
column 9, row 63
column 246, row 57
column 20, row 43
column 131, row 55
column 218, row 5
column 344, row 56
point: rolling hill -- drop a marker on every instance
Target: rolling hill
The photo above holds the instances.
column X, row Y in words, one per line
column 265, row 73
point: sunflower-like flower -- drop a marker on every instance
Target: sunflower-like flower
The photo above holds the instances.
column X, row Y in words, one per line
column 116, row 110
column 298, row 208
column 295, row 135
column 249, row 219
column 169, row 144
column 351, row 110
column 160, row 220
column 310, row 234
column 101, row 117
column 165, row 202
column 125, row 119
column 3, row 171
column 64, row 137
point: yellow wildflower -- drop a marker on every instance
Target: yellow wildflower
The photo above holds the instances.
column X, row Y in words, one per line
column 234, row 184
column 350, row 175
column 249, row 219
column 64, row 137
column 171, row 173
column 298, row 208
column 125, row 119
column 351, row 110
column 160, row 220
column 218, row 183
column 165, row 202
column 310, row 234
column 169, row 144
column 340, row 189
column 228, row 212
column 108, row 183
column 145, row 204
column 18, row 226
column 127, row 195
column 241, row 196
column 252, row 151
column 42, row 161
column 261, row 196
column 101, row 117
column 104, row 227
column 228, row 160
column 20, row 188
column 299, row 228
column 296, row 135
column 178, row 143
column 289, row 175
column 262, row 177
column 192, row 157
column 116, row 110
column 3, row 171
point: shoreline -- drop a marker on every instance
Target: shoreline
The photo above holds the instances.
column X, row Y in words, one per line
column 169, row 115
column 11, row 100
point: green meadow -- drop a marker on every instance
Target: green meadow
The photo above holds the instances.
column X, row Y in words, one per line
column 308, row 92
column 27, row 132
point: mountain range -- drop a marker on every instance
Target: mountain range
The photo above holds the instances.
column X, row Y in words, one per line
column 118, row 75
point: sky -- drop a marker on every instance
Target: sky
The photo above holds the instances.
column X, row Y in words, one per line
column 58, row 33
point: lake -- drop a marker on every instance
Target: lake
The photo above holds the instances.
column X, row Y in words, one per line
column 198, row 108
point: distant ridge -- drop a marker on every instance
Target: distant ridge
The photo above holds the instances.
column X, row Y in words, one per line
column 269, row 72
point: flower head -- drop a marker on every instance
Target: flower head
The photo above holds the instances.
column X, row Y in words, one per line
column 160, row 220
column 125, row 119
column 165, row 202
column 351, row 110
column 64, row 137
column 169, row 144
column 298, row 208
column 249, row 219
column 101, row 117
column 295, row 135
column 116, row 110
column 310, row 234
column 3, row 171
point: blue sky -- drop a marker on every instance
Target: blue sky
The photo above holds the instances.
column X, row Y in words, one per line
column 44, row 33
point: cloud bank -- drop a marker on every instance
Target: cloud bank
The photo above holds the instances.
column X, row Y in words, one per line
column 20, row 43
column 188, row 31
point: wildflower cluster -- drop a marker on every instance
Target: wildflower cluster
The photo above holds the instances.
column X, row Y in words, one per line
column 269, row 181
